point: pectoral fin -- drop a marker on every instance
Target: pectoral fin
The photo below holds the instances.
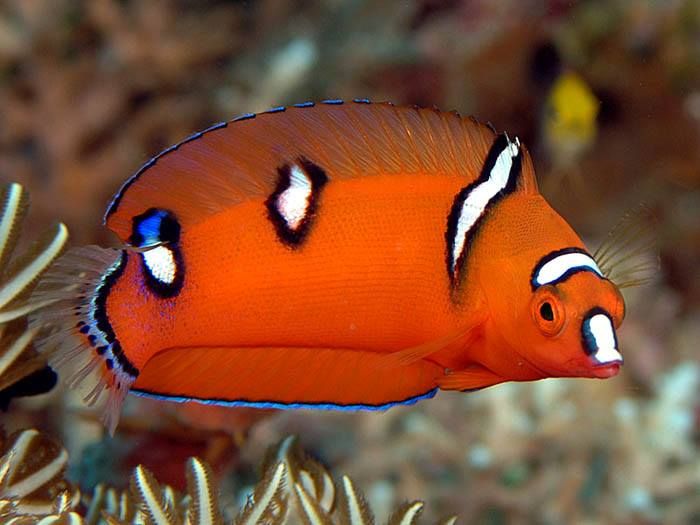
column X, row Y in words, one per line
column 463, row 337
column 472, row 378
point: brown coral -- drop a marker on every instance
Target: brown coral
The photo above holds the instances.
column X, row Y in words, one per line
column 293, row 489
column 17, row 277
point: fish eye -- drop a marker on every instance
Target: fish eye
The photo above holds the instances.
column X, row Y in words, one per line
column 548, row 311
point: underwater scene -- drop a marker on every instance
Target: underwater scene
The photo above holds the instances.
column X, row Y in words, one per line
column 349, row 262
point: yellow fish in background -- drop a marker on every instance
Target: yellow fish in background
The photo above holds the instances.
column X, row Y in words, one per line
column 569, row 126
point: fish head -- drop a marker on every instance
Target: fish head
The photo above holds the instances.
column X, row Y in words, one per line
column 571, row 326
column 551, row 307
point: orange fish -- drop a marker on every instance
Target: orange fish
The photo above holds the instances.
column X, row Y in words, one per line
column 334, row 255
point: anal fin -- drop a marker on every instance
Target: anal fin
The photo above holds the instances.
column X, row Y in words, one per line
column 326, row 378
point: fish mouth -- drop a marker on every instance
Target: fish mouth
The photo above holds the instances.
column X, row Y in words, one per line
column 605, row 370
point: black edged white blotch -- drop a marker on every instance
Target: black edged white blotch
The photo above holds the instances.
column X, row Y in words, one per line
column 156, row 233
column 558, row 266
column 498, row 178
column 599, row 338
column 161, row 264
column 293, row 204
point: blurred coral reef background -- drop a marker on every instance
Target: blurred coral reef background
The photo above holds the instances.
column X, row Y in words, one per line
column 90, row 90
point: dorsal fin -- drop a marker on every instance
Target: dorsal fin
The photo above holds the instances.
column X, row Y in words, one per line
column 237, row 161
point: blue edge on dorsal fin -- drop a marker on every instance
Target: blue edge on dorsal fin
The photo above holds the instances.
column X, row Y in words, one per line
column 285, row 406
column 114, row 204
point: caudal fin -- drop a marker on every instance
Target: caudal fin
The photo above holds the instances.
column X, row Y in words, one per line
column 73, row 336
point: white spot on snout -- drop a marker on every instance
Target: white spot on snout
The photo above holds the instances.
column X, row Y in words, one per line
column 603, row 333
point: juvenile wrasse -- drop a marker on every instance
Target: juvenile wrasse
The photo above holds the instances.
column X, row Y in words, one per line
column 334, row 255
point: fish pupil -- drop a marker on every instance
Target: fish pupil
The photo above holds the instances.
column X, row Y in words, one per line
column 546, row 311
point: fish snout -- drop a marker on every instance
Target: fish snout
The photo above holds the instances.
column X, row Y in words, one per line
column 600, row 342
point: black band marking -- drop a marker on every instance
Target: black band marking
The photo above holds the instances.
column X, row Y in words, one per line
column 102, row 319
column 571, row 271
column 499, row 145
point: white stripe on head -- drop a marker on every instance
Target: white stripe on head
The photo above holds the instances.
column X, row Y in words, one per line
column 160, row 261
column 553, row 270
column 293, row 202
column 474, row 206
column 600, row 334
